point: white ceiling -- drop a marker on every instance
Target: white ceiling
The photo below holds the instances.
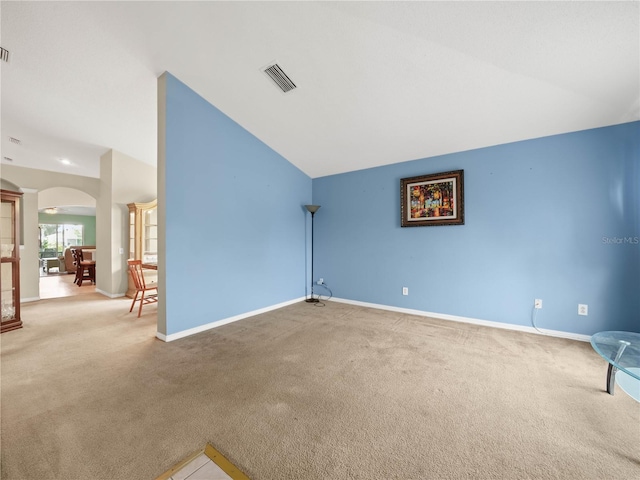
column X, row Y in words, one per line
column 378, row 83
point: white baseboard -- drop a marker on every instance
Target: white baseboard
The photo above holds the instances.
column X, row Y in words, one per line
column 441, row 316
column 202, row 328
column 455, row 318
column 30, row 299
column 110, row 295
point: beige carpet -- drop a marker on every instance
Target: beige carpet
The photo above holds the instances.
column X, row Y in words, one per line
column 339, row 392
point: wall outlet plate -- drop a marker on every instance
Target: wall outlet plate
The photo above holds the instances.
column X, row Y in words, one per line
column 537, row 303
column 405, row 290
column 583, row 309
column 321, row 281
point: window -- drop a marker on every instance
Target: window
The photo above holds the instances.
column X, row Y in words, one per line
column 54, row 238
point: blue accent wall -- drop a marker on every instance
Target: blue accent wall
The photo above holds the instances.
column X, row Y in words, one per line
column 555, row 218
column 236, row 229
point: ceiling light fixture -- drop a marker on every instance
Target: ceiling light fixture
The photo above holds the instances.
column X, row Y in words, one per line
column 52, row 210
column 65, row 161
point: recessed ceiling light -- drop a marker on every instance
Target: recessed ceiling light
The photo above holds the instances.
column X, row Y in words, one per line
column 52, row 210
column 65, row 161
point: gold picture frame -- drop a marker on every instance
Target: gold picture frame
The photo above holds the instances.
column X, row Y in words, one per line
column 432, row 200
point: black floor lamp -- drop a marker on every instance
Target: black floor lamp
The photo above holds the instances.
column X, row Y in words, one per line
column 313, row 209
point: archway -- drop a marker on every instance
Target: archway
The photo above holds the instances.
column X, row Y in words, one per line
column 66, row 219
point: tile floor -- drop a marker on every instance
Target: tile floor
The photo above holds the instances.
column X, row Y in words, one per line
column 200, row 468
column 61, row 285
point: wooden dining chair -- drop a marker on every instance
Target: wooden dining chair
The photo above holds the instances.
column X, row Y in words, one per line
column 148, row 293
column 85, row 269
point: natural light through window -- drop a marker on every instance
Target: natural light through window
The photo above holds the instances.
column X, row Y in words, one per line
column 54, row 238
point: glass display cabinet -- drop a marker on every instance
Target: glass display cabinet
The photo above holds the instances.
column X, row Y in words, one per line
column 10, row 260
column 143, row 238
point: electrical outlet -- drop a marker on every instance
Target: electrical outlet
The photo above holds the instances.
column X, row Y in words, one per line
column 583, row 309
column 121, row 250
column 321, row 281
column 537, row 303
column 405, row 290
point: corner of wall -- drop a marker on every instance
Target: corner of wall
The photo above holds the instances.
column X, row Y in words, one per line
column 162, row 211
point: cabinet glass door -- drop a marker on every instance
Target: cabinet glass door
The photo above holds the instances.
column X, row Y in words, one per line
column 8, row 291
column 9, row 262
column 132, row 235
column 150, row 236
column 7, row 274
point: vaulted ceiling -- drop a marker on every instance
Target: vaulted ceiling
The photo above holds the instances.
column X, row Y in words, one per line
column 377, row 82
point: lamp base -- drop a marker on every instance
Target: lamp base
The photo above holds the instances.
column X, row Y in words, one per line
column 312, row 300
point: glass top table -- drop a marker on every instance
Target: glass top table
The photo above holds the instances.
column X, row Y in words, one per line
column 622, row 351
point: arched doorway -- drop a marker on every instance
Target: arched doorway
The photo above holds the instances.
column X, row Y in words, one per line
column 66, row 219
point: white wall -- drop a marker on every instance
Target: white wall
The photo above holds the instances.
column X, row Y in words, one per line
column 43, row 179
column 31, row 181
column 29, row 263
column 162, row 204
column 123, row 180
column 59, row 196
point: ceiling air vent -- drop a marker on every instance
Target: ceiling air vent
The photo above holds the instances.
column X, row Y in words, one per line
column 8, row 159
column 4, row 54
column 281, row 78
column 15, row 140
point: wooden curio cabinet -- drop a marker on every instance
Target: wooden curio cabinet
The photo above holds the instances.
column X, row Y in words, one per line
column 10, row 260
column 143, row 237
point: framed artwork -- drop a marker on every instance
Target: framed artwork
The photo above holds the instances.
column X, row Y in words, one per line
column 430, row 200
